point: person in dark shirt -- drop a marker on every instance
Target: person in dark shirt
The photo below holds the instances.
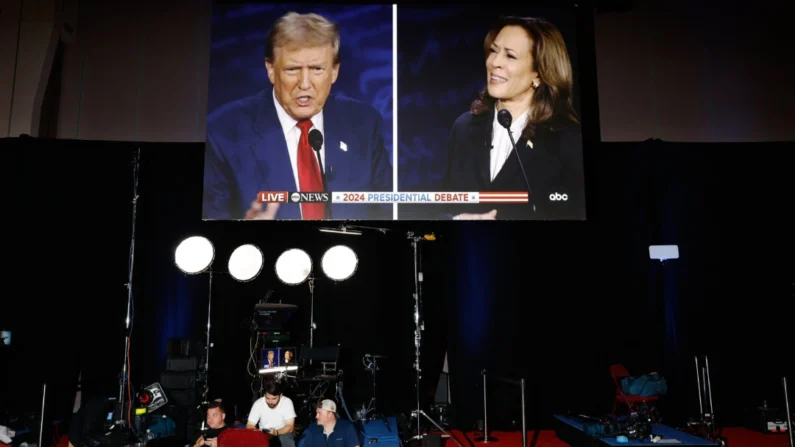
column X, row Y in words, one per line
column 216, row 423
column 330, row 430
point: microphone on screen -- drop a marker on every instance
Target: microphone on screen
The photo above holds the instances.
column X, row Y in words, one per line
column 316, row 141
column 505, row 119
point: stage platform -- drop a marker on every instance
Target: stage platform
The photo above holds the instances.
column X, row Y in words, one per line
column 571, row 431
column 735, row 437
column 536, row 438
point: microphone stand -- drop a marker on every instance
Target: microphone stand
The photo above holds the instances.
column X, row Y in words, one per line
column 329, row 215
column 123, row 379
column 506, row 123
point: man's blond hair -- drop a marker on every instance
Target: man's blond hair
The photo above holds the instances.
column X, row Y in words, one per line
column 295, row 30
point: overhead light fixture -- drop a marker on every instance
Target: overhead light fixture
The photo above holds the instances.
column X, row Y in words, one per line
column 339, row 262
column 293, row 266
column 246, row 262
column 342, row 230
column 194, row 255
column 663, row 252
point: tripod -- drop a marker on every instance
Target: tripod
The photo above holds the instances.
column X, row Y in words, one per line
column 371, row 364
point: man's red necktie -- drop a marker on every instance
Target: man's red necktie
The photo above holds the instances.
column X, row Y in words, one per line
column 309, row 178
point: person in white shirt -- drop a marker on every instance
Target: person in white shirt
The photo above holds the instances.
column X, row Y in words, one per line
column 275, row 413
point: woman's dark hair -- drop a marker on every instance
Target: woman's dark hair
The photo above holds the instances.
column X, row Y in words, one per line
column 552, row 100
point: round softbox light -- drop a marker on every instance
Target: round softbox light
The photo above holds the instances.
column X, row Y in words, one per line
column 245, row 263
column 293, row 266
column 339, row 262
column 194, row 255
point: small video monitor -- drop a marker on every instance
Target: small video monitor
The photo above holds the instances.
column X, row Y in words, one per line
column 288, row 357
column 5, row 338
column 281, row 356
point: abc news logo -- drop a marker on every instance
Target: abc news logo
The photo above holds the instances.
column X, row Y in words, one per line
column 556, row 197
column 293, row 197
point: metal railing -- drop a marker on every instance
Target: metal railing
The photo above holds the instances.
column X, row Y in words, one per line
column 517, row 382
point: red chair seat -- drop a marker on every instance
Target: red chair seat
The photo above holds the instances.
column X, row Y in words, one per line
column 243, row 437
column 636, row 399
column 617, row 372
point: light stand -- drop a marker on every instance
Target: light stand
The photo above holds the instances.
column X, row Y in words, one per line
column 123, row 379
column 195, row 255
column 419, row 326
column 312, row 325
column 206, row 389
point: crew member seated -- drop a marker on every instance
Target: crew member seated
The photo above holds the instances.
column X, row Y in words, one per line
column 330, row 430
column 216, row 423
column 275, row 413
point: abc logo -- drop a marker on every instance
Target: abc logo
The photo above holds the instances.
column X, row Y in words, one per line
column 295, row 197
column 555, row 197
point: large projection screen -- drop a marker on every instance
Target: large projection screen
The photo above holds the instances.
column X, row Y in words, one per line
column 380, row 112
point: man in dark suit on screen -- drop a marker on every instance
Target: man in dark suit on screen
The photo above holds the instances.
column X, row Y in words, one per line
column 261, row 143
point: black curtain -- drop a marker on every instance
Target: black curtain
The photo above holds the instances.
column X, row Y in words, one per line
column 559, row 302
column 555, row 303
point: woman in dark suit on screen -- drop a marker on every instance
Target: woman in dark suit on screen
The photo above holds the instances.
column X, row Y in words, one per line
column 528, row 74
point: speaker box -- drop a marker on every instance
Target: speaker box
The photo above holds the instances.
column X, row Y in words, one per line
column 381, row 432
column 180, row 380
column 185, row 398
column 182, row 363
column 183, row 347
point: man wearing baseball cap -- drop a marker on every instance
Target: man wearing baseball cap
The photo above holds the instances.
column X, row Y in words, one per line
column 330, row 430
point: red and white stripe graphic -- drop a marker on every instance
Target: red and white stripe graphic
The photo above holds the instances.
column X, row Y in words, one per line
column 503, row 197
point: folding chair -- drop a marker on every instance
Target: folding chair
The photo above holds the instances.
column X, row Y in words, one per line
column 243, row 437
column 618, row 372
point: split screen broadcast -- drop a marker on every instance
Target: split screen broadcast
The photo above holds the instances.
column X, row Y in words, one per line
column 381, row 112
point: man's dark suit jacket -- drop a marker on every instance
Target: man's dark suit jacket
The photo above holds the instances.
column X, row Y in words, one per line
column 247, row 153
column 553, row 165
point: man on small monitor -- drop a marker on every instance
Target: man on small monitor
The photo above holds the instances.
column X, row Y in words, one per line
column 262, row 142
column 270, row 361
